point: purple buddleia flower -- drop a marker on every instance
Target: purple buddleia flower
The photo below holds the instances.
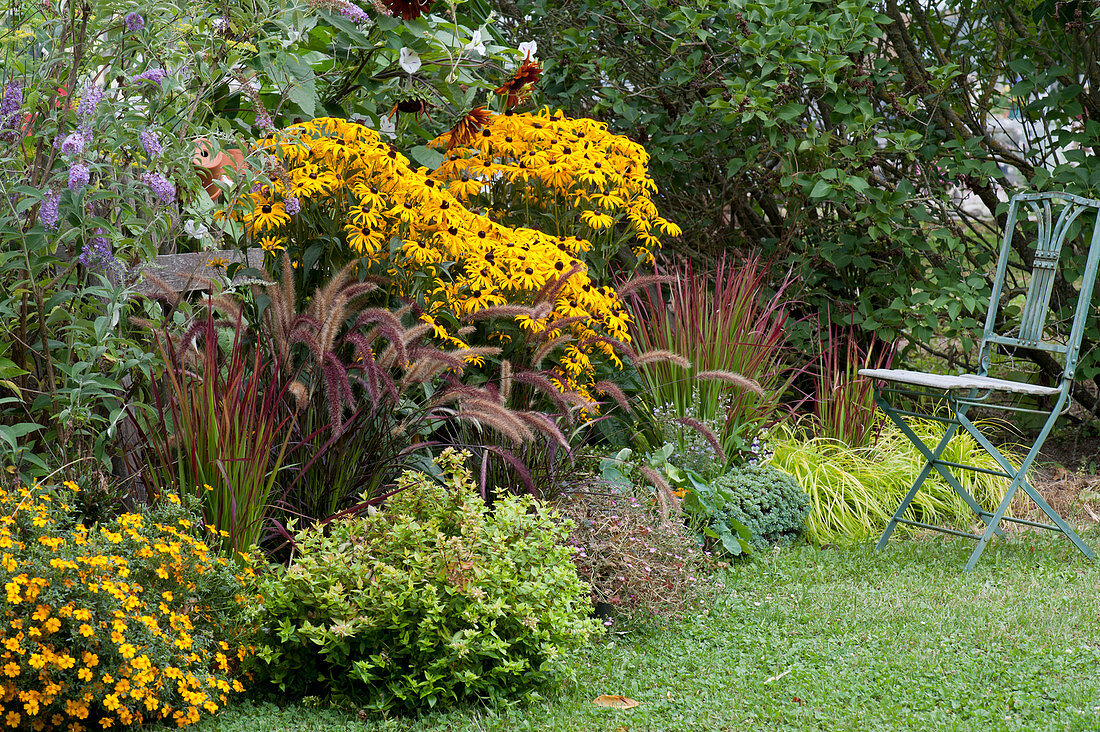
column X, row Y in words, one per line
column 89, row 101
column 13, row 99
column 48, row 212
column 85, row 131
column 9, row 108
column 151, row 144
column 79, row 175
column 97, row 255
column 293, row 205
column 154, row 75
column 73, row 144
column 354, row 13
column 134, row 22
column 164, row 188
column 263, row 120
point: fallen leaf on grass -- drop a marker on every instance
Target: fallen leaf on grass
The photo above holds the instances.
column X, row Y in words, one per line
column 615, row 701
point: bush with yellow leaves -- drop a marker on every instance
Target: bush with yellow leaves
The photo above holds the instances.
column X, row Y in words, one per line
column 133, row 620
column 504, row 229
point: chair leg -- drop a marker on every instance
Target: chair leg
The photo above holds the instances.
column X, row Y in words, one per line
column 931, row 456
column 1028, row 488
column 996, row 519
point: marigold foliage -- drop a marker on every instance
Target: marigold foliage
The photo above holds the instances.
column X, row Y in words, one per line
column 443, row 237
column 126, row 622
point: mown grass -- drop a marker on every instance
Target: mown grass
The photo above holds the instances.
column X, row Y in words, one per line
column 833, row 639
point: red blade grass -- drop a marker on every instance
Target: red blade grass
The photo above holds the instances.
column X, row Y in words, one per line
column 725, row 322
column 226, row 433
column 844, row 408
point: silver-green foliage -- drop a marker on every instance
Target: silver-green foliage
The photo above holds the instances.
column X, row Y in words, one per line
column 767, row 501
column 432, row 600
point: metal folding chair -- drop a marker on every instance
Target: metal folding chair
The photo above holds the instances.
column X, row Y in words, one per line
column 1054, row 216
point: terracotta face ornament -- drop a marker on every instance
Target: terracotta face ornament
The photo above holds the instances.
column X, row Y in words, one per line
column 211, row 167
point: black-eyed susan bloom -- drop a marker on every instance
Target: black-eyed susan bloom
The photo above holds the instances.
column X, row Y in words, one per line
column 266, row 216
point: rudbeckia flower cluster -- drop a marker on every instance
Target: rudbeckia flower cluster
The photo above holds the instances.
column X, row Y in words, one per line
column 437, row 241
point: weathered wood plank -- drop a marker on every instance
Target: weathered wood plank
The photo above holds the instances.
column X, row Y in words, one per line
column 192, row 271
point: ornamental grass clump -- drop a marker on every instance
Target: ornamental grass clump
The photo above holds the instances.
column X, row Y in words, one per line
column 727, row 329
column 855, row 490
column 431, row 600
column 133, row 620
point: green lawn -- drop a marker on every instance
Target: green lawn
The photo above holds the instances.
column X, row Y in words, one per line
column 832, row 639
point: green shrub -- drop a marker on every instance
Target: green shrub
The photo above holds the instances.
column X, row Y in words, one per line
column 431, row 600
column 855, row 491
column 766, row 501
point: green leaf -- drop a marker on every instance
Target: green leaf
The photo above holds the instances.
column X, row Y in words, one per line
column 821, row 189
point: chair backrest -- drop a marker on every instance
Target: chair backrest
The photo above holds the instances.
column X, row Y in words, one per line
column 1054, row 217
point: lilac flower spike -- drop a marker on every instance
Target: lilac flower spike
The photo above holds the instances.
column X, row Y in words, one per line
column 48, row 212
column 134, row 22
column 9, row 108
column 164, row 188
column 293, row 205
column 354, row 13
column 89, row 101
column 97, row 255
column 151, row 144
column 73, row 144
column 79, row 175
column 154, row 75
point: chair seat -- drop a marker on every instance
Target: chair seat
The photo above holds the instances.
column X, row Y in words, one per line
column 964, row 381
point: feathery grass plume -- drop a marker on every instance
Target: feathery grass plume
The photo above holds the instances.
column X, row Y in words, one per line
column 702, row 429
column 660, row 356
column 165, row 291
column 638, row 283
column 615, row 392
column 554, row 285
column 505, row 381
column 627, row 350
column 498, row 311
column 226, row 304
column 488, row 411
column 559, row 325
column 666, row 499
column 546, row 426
column 731, row 378
column 545, row 349
column 545, row 387
column 300, row 393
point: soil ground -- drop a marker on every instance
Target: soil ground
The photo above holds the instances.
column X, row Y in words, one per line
column 1067, row 477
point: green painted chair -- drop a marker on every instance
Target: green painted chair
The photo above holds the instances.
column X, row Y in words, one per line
column 1054, row 217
